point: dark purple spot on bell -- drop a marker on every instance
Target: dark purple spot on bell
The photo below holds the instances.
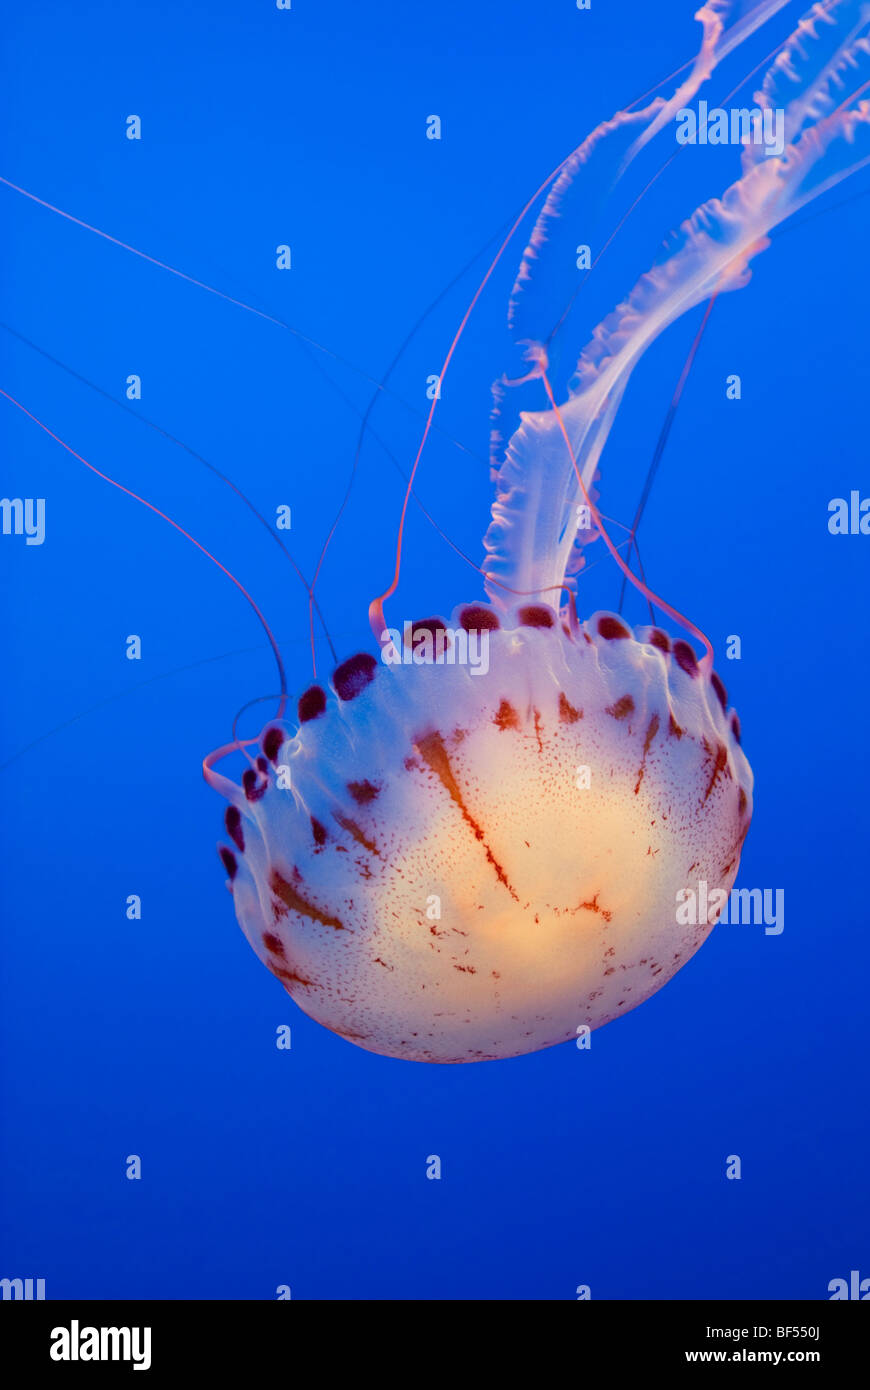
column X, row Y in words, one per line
column 660, row 639
column 434, row 626
column 272, row 741
column 735, row 727
column 262, row 764
column 685, row 658
column 363, row 792
column 612, row 628
column 721, row 692
column 255, row 789
column 229, row 861
column 477, row 618
column 233, row 822
column 318, row 831
column 537, row 615
column 351, row 677
column 311, row 704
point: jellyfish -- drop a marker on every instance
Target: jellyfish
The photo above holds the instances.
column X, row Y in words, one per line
column 470, row 843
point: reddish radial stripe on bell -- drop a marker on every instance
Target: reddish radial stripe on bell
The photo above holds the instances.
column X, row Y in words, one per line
column 229, row 861
column 536, row 615
column 352, row 828
column 612, row 629
column 477, row 618
column 735, row 727
column 506, row 716
column 651, row 731
column 351, row 677
column 273, row 740
column 721, row 692
column 660, row 639
column 291, row 977
column 318, row 831
column 273, row 943
column 685, row 658
column 293, row 899
column 567, row 713
column 720, row 762
column 622, row 708
column 311, row 704
column 436, row 758
column 233, row 822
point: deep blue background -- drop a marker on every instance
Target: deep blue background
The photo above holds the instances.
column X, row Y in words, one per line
column 157, row 1037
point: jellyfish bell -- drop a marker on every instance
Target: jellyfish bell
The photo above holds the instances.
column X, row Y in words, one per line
column 448, row 864
column 463, row 869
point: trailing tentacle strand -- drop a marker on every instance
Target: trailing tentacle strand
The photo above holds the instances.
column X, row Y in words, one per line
column 534, row 516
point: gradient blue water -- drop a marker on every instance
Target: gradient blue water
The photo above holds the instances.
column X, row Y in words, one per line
column 156, row 1037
